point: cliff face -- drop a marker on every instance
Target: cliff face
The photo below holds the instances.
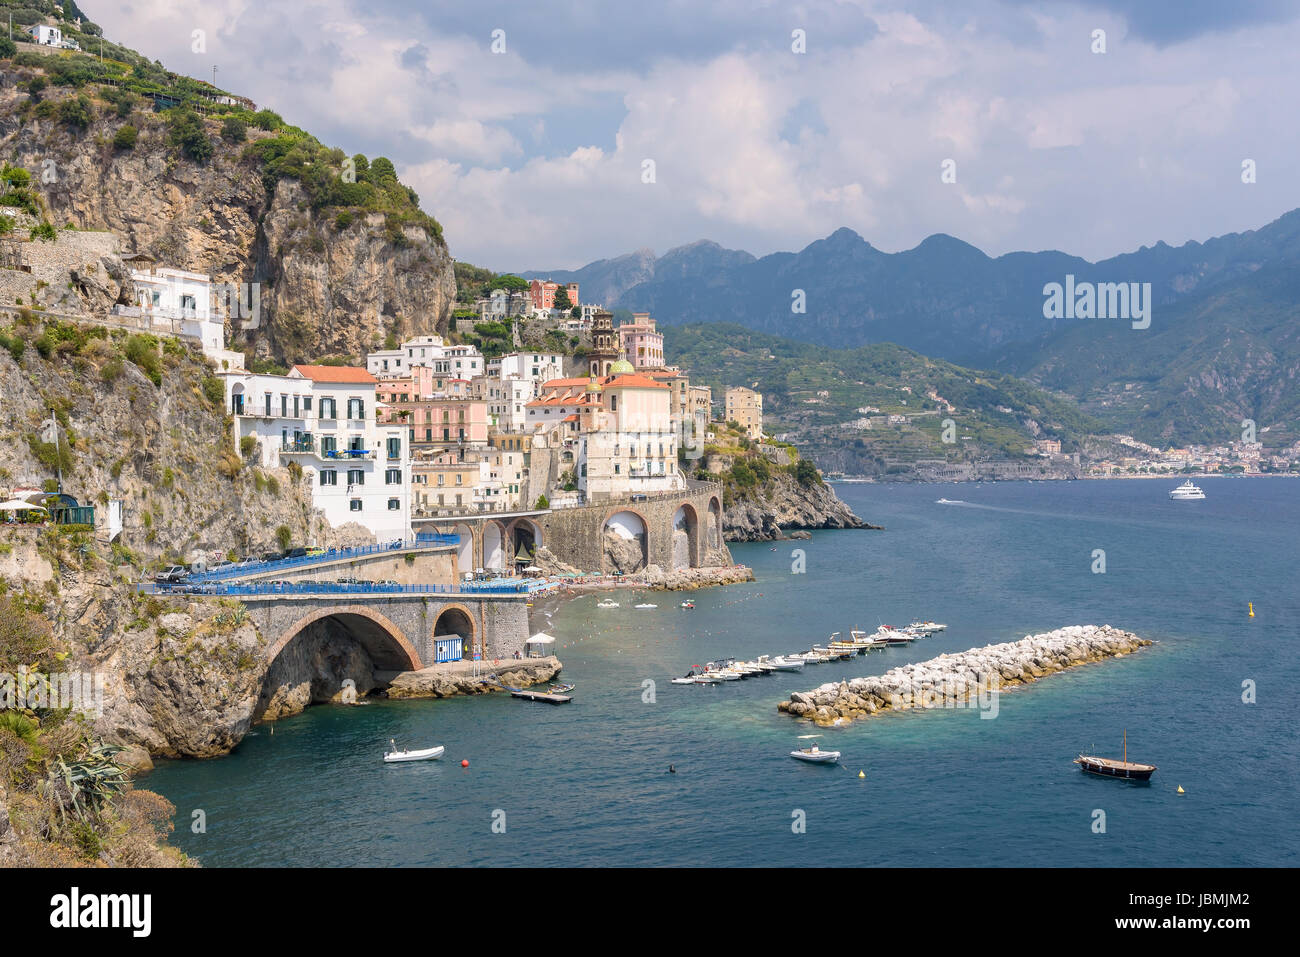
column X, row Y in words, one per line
column 325, row 288
column 769, row 514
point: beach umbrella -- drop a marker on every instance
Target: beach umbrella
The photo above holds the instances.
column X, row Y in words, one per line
column 18, row 505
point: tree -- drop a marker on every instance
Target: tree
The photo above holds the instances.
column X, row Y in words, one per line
column 510, row 283
column 7, row 48
column 542, row 502
column 806, row 474
column 76, row 112
column 189, row 133
column 562, row 302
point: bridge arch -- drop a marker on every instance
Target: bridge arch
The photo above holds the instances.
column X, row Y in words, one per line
column 686, row 537
column 464, row 548
column 628, row 525
column 713, row 538
column 457, row 619
column 524, row 537
column 494, row 546
column 386, row 644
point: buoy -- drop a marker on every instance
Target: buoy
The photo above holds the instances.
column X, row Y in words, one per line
column 464, row 763
column 862, row 774
column 1180, row 789
column 1252, row 609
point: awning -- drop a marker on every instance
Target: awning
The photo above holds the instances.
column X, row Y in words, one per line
column 541, row 638
column 18, row 505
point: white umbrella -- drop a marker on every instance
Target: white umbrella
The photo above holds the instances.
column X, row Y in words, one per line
column 18, row 505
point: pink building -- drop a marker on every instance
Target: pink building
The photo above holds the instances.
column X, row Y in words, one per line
column 640, row 343
column 542, row 292
column 442, row 421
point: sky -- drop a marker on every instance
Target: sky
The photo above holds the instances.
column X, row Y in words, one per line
column 528, row 128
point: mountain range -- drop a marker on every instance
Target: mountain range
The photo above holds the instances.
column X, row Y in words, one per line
column 1218, row 348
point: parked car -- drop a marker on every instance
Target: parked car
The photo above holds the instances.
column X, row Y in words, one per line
column 314, row 550
column 296, row 553
column 172, row 575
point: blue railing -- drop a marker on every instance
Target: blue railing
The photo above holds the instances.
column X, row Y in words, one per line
column 238, row 589
column 331, row 555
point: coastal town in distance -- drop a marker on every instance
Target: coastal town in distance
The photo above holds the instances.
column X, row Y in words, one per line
column 397, row 479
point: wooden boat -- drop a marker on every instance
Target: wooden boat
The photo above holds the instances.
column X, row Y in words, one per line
column 427, row 754
column 1110, row 768
column 561, row 688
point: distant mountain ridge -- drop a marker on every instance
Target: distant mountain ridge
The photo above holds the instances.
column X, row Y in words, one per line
column 944, row 297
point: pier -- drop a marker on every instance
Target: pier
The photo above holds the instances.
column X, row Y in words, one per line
column 968, row 679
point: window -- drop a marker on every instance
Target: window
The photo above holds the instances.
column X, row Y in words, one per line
column 394, row 504
column 328, row 409
column 267, row 397
column 440, row 478
column 393, row 477
column 354, row 505
column 328, row 445
column 394, row 448
column 356, row 477
column 306, row 403
column 284, row 406
column 356, row 409
column 329, row 477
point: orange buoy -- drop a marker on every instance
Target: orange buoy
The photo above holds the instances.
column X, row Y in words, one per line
column 464, row 763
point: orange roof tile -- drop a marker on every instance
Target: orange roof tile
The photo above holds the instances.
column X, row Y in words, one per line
column 631, row 381
column 350, row 374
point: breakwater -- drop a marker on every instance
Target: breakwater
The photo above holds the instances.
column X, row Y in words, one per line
column 968, row 679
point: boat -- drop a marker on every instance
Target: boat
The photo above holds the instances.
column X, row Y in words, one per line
column 1187, row 492
column 688, row 604
column 561, row 688
column 646, row 605
column 928, row 627
column 1110, row 768
column 427, row 754
column 543, row 696
column 690, row 678
column 607, row 604
column 815, row 755
column 867, row 641
column 788, row 663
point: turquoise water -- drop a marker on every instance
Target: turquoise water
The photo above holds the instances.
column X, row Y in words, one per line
column 587, row 783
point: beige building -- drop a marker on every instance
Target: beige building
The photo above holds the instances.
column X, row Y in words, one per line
column 745, row 407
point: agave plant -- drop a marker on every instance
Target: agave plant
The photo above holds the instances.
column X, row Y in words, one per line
column 85, row 787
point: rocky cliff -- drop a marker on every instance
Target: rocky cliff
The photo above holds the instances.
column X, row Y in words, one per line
column 331, row 280
column 785, row 505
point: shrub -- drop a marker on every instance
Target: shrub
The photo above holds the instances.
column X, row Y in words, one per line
column 189, row 134
column 284, row 537
column 806, row 474
column 743, row 475
column 45, row 232
column 112, row 370
column 7, row 48
column 343, row 220
column 15, row 344
column 214, row 390
column 124, row 138
column 247, row 446
column 542, row 502
column 76, row 112
column 142, row 350
column 234, row 130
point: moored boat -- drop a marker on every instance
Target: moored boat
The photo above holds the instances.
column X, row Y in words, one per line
column 427, row 754
column 1110, row 768
column 788, row 663
column 1187, row 492
column 815, row 755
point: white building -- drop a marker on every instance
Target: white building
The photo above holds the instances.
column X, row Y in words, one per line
column 460, row 362
column 507, row 401
column 325, row 419
column 536, row 367
column 164, row 293
column 45, row 35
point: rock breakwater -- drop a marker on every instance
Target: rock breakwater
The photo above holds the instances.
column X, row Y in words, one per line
column 968, row 679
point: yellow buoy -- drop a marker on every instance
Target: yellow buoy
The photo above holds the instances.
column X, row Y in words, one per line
column 862, row 774
column 1180, row 789
column 1252, row 608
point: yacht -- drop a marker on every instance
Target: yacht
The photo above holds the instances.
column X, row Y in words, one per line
column 1187, row 492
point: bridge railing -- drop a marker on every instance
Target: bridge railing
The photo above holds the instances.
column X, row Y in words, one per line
column 238, row 589
column 331, row 555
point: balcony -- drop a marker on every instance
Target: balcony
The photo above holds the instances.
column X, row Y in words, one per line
column 348, row 454
column 305, row 445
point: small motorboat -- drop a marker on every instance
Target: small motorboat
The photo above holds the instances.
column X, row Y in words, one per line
column 646, row 605
column 606, row 604
column 815, row 755
column 688, row 604
column 561, row 688
column 428, row 754
column 1110, row 768
column 690, row 678
column 788, row 663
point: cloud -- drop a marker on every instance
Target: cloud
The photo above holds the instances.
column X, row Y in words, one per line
column 534, row 158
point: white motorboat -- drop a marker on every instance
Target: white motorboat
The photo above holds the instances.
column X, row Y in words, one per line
column 1187, row 492
column 607, row 604
column 427, row 754
column 646, row 605
column 788, row 663
column 815, row 755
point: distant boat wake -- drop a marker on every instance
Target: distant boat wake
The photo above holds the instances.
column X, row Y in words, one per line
column 950, row 501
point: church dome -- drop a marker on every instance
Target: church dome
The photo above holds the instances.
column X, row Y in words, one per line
column 621, row 367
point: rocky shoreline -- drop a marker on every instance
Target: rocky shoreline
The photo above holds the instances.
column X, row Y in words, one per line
column 458, row 678
column 968, row 679
column 767, row 516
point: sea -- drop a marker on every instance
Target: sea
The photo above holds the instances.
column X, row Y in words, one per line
column 637, row 771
